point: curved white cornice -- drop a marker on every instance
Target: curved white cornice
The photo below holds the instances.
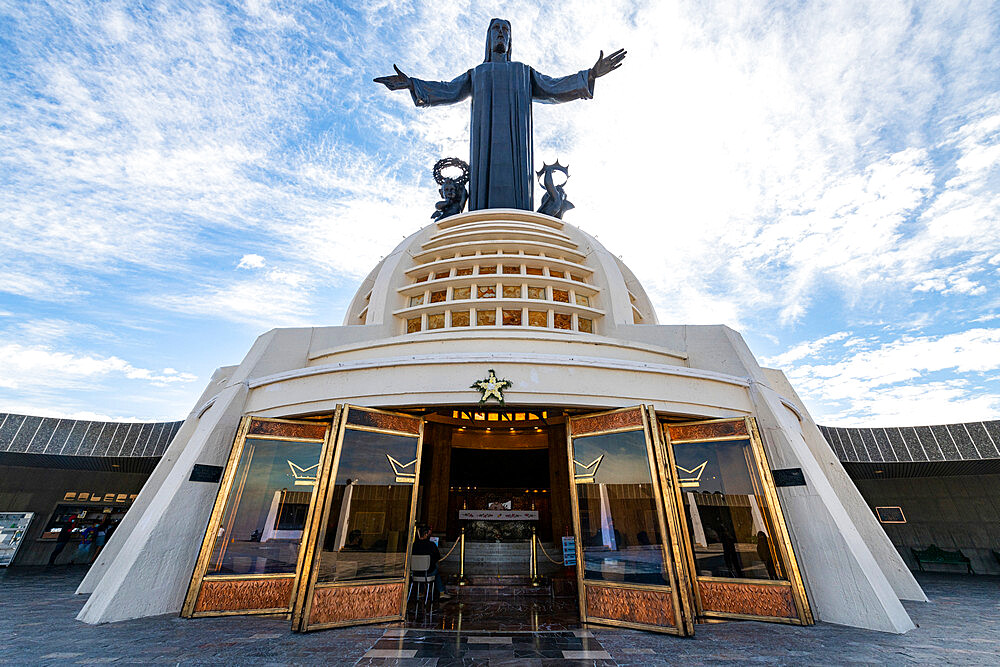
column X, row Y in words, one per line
column 498, row 358
column 498, row 334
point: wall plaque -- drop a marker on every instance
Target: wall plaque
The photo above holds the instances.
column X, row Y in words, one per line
column 498, row 515
column 205, row 473
column 788, row 477
column 890, row 514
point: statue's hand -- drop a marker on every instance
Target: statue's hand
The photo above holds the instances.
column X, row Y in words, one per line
column 397, row 81
column 609, row 64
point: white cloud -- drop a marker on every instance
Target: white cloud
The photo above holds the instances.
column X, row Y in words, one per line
column 806, row 349
column 878, row 382
column 251, row 261
column 921, row 404
column 26, row 366
column 275, row 298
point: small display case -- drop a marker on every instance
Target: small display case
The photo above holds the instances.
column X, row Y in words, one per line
column 13, row 528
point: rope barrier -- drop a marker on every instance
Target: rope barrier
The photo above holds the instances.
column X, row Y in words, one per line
column 556, row 562
column 450, row 550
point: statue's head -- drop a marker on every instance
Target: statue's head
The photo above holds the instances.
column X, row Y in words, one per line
column 449, row 189
column 498, row 41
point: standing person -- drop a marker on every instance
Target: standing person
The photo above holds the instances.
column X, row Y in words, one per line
column 422, row 546
column 729, row 553
column 764, row 553
column 101, row 538
column 87, row 536
column 62, row 538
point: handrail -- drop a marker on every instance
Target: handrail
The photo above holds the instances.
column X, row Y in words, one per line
column 555, row 562
column 445, row 557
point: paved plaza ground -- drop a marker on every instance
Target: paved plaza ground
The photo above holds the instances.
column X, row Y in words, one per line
column 961, row 625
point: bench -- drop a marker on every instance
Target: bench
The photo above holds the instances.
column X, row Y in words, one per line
column 934, row 555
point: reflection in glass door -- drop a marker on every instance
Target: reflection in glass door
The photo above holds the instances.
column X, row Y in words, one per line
column 251, row 552
column 735, row 536
column 358, row 555
column 626, row 534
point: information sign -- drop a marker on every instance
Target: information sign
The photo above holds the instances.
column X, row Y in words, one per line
column 569, row 550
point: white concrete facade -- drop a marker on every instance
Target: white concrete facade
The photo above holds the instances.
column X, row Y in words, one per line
column 406, row 343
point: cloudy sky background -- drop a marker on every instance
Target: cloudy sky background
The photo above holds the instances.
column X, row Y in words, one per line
column 179, row 177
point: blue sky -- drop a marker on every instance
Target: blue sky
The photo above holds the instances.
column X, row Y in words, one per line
column 178, row 177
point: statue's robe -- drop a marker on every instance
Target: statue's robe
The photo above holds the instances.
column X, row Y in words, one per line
column 501, row 148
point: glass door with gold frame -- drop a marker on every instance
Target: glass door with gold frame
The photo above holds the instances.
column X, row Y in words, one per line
column 630, row 570
column 250, row 559
column 357, row 558
column 734, row 536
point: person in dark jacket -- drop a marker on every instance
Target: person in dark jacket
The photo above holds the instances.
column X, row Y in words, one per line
column 62, row 538
column 422, row 546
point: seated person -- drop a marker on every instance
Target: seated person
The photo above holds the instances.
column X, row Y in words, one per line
column 353, row 541
column 423, row 546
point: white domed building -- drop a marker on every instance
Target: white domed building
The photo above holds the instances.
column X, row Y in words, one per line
column 502, row 375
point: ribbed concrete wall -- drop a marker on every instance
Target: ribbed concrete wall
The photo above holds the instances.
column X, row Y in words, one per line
column 24, row 434
column 970, row 441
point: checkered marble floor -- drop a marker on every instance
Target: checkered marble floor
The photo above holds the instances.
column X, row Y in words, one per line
column 492, row 648
column 961, row 625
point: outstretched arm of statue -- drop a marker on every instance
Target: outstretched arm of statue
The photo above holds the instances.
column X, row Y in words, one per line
column 397, row 81
column 605, row 65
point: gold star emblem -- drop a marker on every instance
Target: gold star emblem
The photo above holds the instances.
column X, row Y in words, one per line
column 491, row 386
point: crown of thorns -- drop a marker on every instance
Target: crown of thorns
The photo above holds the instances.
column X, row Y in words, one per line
column 455, row 162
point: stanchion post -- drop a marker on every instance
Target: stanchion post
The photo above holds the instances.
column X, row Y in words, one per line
column 462, row 581
column 535, row 579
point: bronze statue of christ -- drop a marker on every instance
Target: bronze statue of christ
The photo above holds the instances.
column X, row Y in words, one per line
column 501, row 147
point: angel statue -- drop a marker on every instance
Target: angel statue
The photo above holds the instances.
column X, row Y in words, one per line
column 452, row 191
column 554, row 200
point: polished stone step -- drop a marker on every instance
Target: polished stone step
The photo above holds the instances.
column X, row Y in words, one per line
column 499, row 559
column 495, row 586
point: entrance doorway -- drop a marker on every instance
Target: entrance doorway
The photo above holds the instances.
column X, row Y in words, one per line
column 642, row 520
